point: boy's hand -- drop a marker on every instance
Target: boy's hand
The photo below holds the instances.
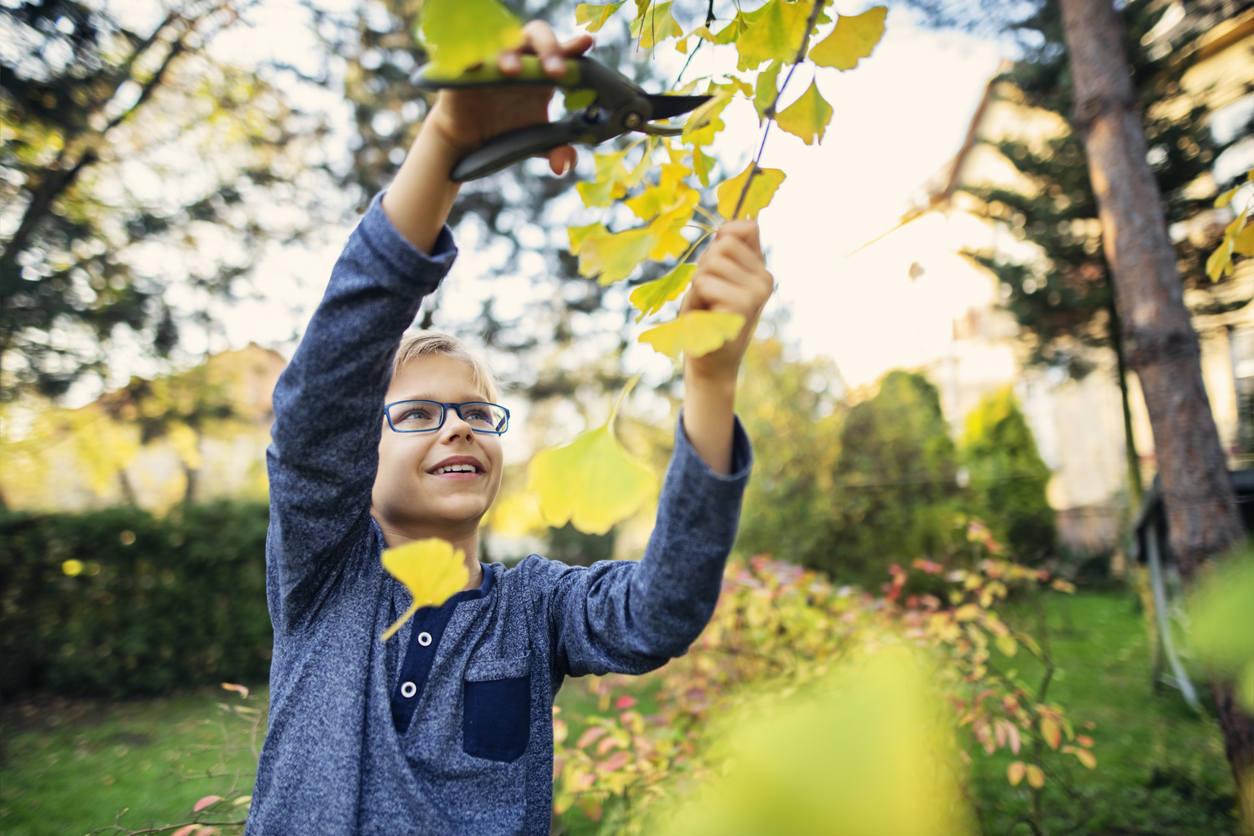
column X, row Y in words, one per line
column 731, row 277
column 466, row 119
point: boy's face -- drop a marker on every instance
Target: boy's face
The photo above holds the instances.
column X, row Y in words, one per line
column 408, row 493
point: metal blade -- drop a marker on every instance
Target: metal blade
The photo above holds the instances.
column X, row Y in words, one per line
column 664, row 107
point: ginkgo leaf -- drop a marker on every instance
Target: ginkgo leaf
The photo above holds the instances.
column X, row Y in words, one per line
column 649, row 298
column 767, row 89
column 1224, row 199
column 591, row 482
column 704, row 122
column 807, row 117
column 670, row 192
column 666, row 230
column 702, row 164
column 462, row 33
column 594, row 17
column 1220, row 261
column 776, row 34
column 655, row 24
column 578, row 99
column 695, row 333
column 432, row 572
column 759, row 197
column 1243, row 241
column 579, row 234
column 613, row 256
column 610, row 183
column 854, row 37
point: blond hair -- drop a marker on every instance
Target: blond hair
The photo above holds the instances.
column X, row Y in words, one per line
column 423, row 343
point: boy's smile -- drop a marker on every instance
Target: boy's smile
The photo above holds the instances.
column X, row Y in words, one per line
column 438, row 483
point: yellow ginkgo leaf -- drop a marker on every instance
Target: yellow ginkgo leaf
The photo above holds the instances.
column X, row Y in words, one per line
column 613, row 256
column 649, row 298
column 594, row 17
column 695, row 333
column 759, row 197
column 655, row 24
column 1224, row 199
column 1220, row 261
column 462, row 33
column 775, row 35
column 1243, row 241
column 807, row 117
column 670, row 192
column 610, row 183
column 854, row 37
column 591, row 482
column 432, row 572
column 704, row 122
column 579, row 234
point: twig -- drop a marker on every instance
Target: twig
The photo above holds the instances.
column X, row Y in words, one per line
column 769, row 113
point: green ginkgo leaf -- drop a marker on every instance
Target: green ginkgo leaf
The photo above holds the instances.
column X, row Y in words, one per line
column 614, row 256
column 610, row 183
column 854, row 37
column 655, row 24
column 759, row 197
column 695, row 333
column 767, row 88
column 649, row 298
column 807, row 117
column 462, row 33
column 591, row 482
column 594, row 17
column 775, row 35
column 432, row 572
column 579, row 234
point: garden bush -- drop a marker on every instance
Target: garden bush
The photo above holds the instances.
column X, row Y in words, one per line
column 119, row 602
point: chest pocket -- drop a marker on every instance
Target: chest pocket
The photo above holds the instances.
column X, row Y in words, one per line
column 496, row 709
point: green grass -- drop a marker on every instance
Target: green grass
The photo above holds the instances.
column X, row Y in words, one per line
column 1161, row 769
column 70, row 766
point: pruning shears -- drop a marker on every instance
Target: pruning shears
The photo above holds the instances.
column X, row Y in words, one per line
column 618, row 106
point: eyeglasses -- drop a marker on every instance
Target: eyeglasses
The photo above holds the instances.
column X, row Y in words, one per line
column 428, row 416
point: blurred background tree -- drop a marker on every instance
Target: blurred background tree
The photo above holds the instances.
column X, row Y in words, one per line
column 1008, row 478
column 1061, row 297
column 133, row 161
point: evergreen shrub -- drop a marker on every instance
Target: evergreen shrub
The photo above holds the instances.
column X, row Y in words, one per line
column 118, row 602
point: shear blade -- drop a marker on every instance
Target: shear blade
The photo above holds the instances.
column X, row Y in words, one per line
column 664, row 107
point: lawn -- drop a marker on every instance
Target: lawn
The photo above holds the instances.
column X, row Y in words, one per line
column 69, row 766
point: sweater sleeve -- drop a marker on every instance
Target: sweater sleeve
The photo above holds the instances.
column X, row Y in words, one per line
column 328, row 408
column 631, row 617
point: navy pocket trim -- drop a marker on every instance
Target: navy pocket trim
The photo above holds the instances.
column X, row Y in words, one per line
column 496, row 713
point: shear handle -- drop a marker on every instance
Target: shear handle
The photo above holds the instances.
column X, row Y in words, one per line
column 505, row 150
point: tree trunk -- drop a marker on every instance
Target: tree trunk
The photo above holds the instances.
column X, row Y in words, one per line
column 1161, row 344
column 1136, row 488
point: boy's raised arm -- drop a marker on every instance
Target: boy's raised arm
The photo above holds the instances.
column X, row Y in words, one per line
column 328, row 402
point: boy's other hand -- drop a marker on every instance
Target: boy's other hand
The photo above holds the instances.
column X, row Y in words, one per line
column 731, row 277
column 466, row 119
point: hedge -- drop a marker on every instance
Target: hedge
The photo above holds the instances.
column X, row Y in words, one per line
column 119, row 602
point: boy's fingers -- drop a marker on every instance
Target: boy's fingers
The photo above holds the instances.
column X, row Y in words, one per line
column 577, row 46
column 562, row 160
column 746, row 231
column 543, row 42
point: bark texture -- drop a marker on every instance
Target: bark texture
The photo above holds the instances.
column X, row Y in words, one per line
column 1161, row 344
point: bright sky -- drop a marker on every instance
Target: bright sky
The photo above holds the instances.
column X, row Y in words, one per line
column 900, row 116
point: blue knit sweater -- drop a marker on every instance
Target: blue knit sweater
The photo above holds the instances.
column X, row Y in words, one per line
column 447, row 727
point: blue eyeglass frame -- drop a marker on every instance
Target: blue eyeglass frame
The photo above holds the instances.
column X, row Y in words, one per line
column 444, row 408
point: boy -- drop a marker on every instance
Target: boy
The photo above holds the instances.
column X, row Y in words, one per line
column 447, row 727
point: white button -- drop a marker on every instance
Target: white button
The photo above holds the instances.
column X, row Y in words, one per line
column 408, row 689
column 424, row 638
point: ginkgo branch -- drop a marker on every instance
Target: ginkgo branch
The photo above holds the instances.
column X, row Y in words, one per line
column 769, row 113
